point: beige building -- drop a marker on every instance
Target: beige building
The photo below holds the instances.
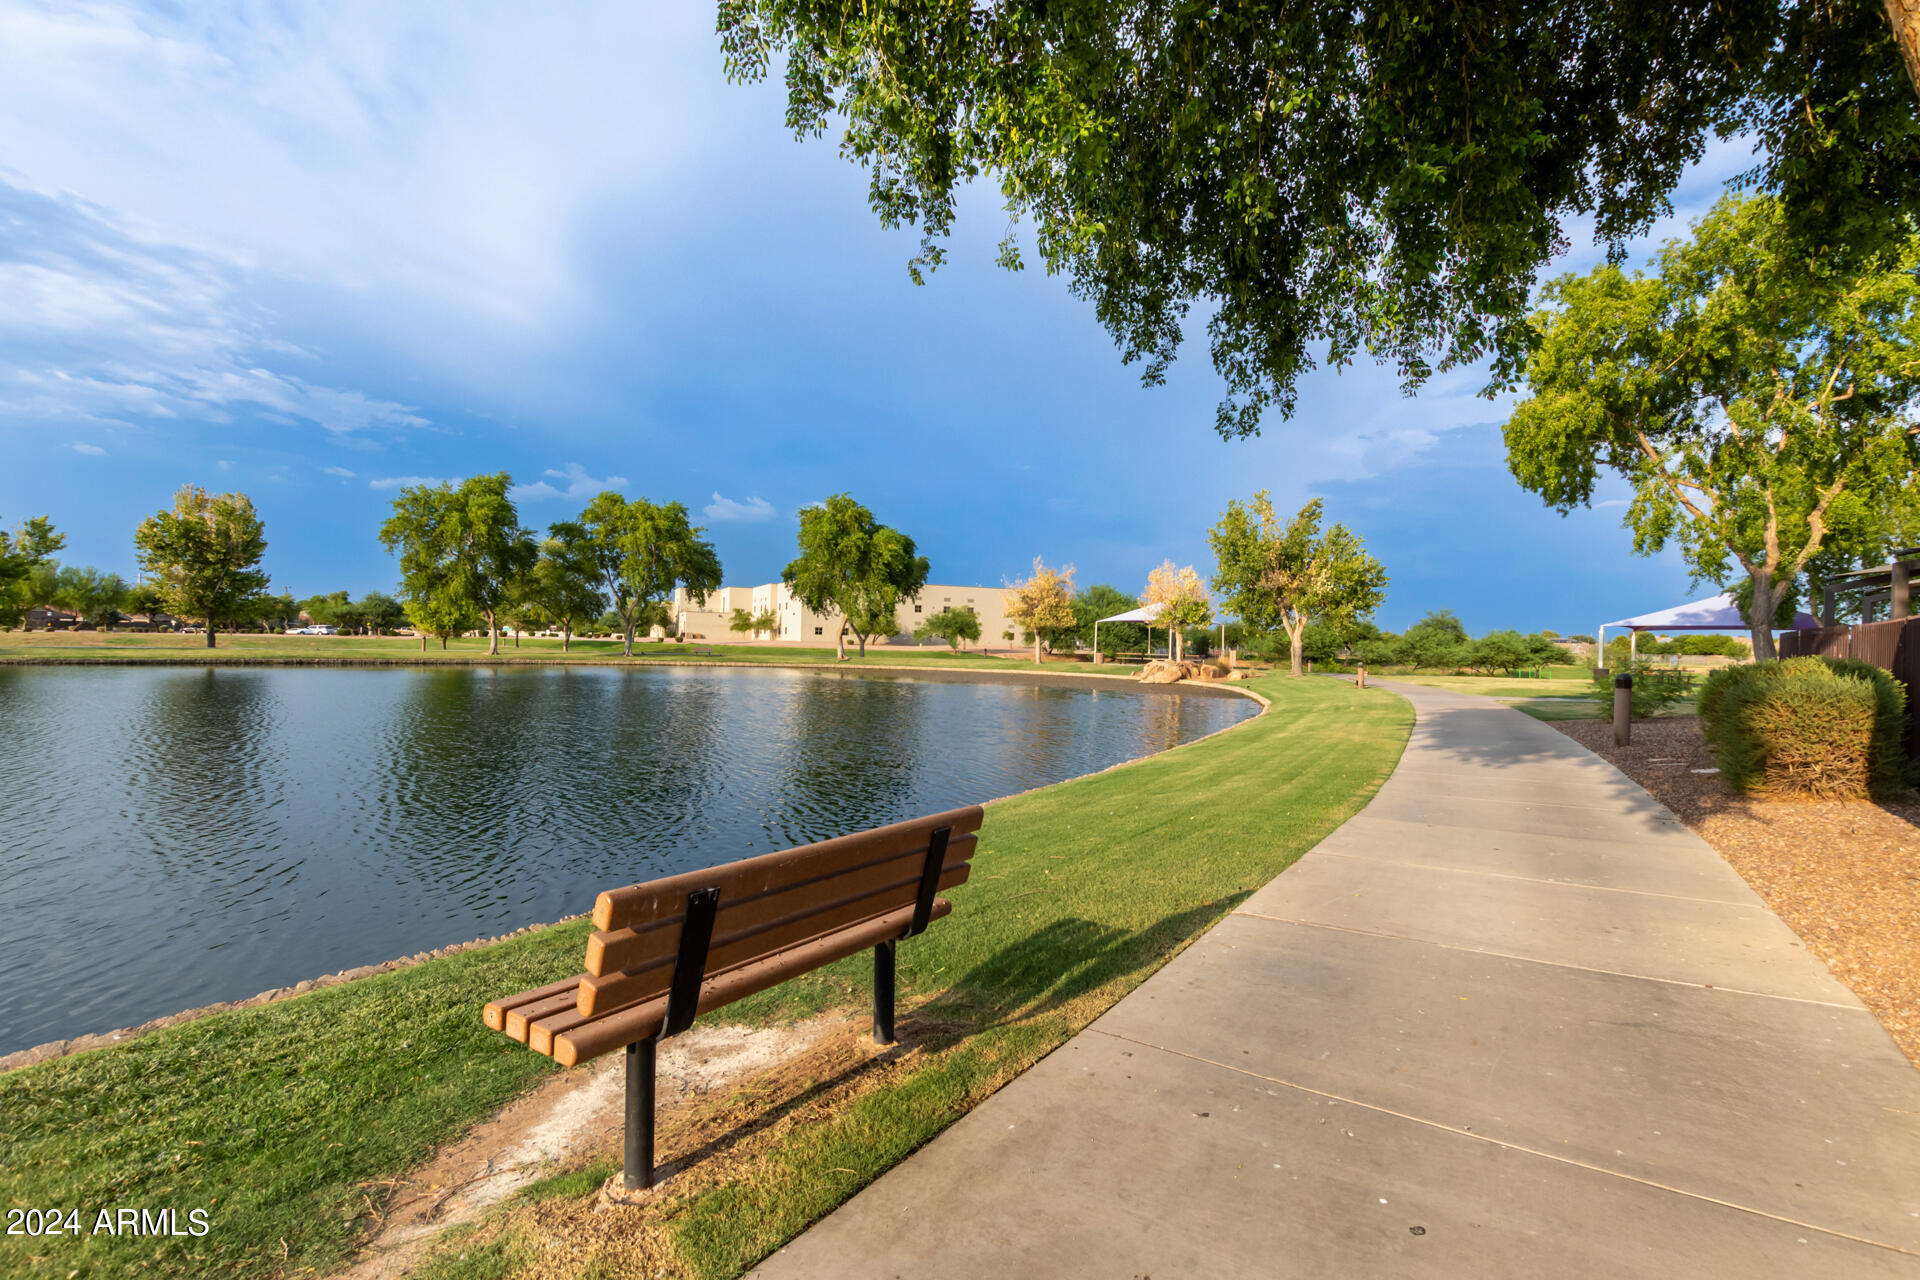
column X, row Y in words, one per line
column 797, row 624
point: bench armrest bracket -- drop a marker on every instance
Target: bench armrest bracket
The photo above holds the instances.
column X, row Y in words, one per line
column 690, row 968
column 929, row 881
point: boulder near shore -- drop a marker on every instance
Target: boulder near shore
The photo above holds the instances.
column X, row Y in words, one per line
column 1164, row 672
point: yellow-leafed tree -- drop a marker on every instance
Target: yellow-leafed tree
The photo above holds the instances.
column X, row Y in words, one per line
column 1042, row 603
column 1183, row 602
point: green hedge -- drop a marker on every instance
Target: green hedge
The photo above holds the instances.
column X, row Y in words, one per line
column 1815, row 726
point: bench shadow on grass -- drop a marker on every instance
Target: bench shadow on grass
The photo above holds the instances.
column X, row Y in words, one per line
column 1012, row 985
column 1067, row 960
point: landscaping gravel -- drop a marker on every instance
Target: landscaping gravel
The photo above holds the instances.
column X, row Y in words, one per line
column 1843, row 874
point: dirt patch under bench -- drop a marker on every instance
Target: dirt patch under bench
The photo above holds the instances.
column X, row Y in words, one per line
column 1843, row 874
column 575, row 1115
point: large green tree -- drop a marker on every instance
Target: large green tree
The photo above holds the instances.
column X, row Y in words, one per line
column 97, row 597
column 381, row 613
column 1103, row 600
column 641, row 551
column 852, row 566
column 461, row 543
column 1288, row 575
column 1438, row 640
column 565, row 584
column 27, row 548
column 1758, row 399
column 1383, row 178
column 957, row 626
column 204, row 556
column 439, row 611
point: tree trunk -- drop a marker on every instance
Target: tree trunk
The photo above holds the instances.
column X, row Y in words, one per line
column 629, row 649
column 566, row 639
column 493, row 637
column 1296, row 660
column 443, row 643
column 1904, row 15
column 516, row 637
column 210, row 633
column 1760, row 617
column 840, row 642
column 863, row 643
column 1036, row 648
column 423, row 642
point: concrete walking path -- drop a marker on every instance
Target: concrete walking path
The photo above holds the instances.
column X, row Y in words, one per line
column 1512, row 1020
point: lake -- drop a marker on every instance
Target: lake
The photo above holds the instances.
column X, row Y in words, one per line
column 172, row 837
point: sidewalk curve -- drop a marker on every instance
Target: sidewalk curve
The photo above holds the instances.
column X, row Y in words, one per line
column 1511, row 1020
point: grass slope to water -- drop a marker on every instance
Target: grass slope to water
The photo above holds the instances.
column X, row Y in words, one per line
column 282, row 1120
column 127, row 647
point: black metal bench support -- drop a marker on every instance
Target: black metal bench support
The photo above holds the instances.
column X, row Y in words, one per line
column 884, row 955
column 639, row 1151
column 883, row 993
column 683, row 1002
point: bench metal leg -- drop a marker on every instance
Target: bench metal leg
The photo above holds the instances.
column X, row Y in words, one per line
column 883, row 993
column 639, row 1152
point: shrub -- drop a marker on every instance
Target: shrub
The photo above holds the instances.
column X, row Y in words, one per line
column 1654, row 689
column 1815, row 726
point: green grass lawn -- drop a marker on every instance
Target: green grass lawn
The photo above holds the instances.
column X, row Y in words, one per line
column 282, row 1120
column 1563, row 695
column 1556, row 682
column 108, row 646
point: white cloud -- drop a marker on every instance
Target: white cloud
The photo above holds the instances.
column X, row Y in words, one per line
column 579, row 485
column 338, row 472
column 225, row 464
column 405, row 482
column 365, row 156
column 1609, row 503
column 1401, row 430
column 103, row 324
column 91, row 450
column 752, row 511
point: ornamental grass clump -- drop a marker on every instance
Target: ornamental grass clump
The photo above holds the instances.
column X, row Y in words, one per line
column 1819, row 727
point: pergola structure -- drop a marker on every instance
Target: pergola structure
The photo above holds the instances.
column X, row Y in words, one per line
column 1717, row 613
column 1890, row 584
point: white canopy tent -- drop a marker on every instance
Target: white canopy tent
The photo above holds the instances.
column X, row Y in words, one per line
column 1718, row 613
column 1146, row 614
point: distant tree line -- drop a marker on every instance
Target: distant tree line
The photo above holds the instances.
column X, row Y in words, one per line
column 1440, row 641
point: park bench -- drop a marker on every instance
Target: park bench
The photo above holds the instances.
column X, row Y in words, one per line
column 669, row 950
column 698, row 651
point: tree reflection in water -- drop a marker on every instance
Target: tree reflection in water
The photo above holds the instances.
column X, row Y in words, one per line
column 223, row 831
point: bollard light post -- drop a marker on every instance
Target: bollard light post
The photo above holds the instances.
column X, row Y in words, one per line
column 1622, row 709
column 1363, row 676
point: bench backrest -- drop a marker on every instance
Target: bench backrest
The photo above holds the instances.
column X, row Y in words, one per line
column 773, row 916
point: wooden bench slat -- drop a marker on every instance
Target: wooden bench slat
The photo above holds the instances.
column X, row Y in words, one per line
column 658, row 900
column 602, row 994
column 495, row 1014
column 632, row 949
column 519, row 1017
column 590, row 1039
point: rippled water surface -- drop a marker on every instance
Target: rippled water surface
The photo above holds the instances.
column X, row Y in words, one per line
column 173, row 837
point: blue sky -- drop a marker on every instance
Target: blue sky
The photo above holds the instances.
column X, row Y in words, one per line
column 313, row 255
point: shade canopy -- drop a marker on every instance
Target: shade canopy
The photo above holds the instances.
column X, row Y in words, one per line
column 1145, row 613
column 1718, row 613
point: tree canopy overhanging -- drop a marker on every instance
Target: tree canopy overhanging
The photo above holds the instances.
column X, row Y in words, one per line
column 1385, row 179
